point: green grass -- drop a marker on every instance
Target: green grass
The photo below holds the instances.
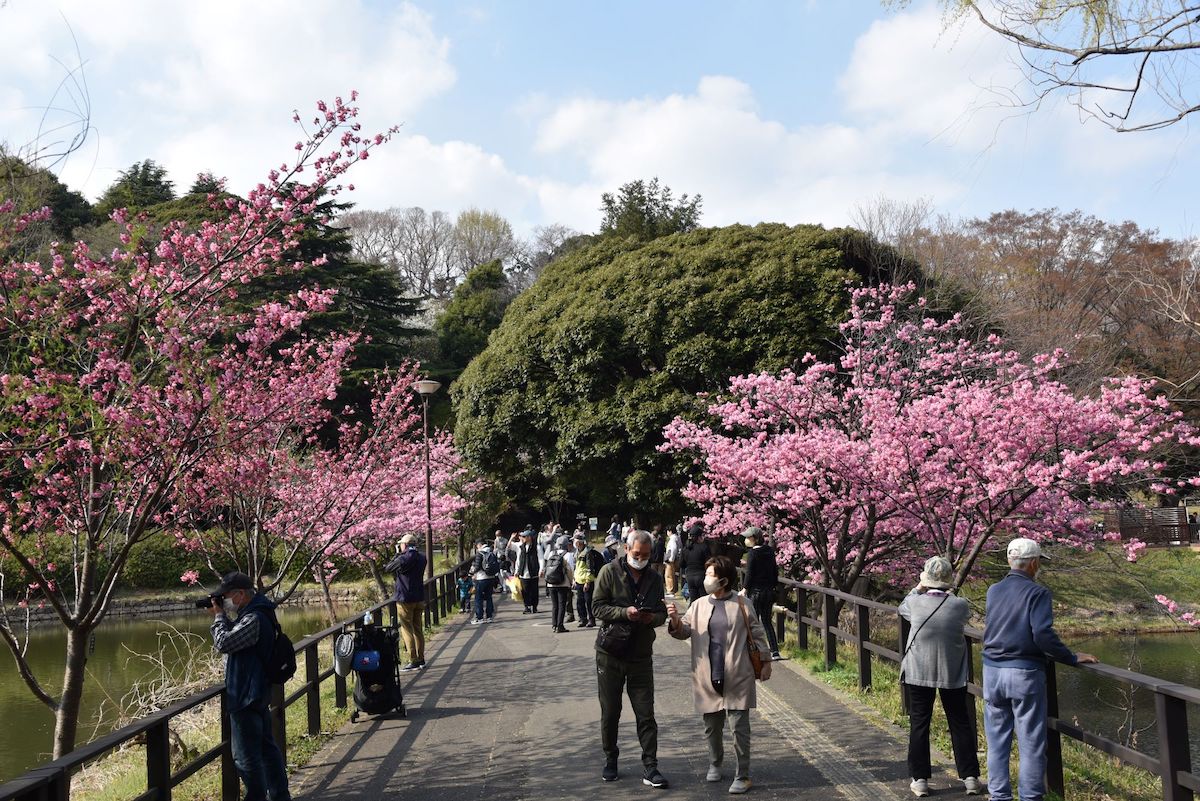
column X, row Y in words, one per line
column 1100, row 592
column 1089, row 774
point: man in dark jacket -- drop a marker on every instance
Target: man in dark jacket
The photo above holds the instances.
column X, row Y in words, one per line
column 695, row 554
column 762, row 578
column 409, row 567
column 1018, row 640
column 629, row 593
column 527, row 568
column 247, row 646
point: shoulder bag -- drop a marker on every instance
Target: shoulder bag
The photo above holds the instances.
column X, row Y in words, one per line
column 756, row 659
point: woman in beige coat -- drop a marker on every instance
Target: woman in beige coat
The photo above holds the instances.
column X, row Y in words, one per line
column 722, row 675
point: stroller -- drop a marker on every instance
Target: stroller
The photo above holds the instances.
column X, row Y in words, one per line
column 373, row 653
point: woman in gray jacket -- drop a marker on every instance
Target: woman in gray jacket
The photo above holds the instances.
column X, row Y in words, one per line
column 935, row 662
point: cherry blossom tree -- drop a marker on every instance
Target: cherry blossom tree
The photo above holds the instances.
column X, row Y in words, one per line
column 114, row 369
column 921, row 439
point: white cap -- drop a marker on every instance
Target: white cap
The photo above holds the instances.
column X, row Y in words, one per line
column 1025, row 548
column 407, row 538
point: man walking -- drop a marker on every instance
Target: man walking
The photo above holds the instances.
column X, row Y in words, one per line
column 247, row 646
column 1018, row 639
column 628, row 601
column 409, row 567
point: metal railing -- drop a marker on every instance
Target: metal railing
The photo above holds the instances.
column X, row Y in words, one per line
column 52, row 781
column 1173, row 763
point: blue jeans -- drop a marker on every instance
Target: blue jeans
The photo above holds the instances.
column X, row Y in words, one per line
column 258, row 760
column 1015, row 700
column 483, row 598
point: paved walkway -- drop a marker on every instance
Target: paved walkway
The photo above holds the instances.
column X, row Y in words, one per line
column 508, row 711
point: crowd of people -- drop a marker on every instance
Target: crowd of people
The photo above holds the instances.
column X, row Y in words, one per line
column 628, row 588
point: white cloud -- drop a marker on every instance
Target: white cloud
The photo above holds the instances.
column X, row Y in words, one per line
column 212, row 85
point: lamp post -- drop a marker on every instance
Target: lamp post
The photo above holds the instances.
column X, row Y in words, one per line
column 426, row 387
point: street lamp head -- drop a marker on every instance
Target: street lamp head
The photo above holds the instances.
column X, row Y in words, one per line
column 427, row 386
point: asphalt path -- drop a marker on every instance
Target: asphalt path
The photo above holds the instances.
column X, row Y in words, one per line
column 508, row 711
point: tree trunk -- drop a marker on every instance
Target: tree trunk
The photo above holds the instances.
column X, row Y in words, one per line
column 321, row 577
column 380, row 580
column 66, row 718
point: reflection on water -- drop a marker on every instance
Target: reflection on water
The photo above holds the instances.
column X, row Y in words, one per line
column 112, row 670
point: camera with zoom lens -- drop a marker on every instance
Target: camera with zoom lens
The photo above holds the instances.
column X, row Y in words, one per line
column 206, row 603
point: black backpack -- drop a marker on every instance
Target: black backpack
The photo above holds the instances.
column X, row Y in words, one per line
column 490, row 564
column 281, row 664
column 555, row 573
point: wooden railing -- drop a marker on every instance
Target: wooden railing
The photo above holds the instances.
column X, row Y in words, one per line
column 52, row 781
column 1173, row 763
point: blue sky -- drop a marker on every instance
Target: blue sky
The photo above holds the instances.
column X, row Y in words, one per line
column 795, row 112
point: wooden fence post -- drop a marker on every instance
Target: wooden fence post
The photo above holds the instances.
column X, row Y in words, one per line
column 828, row 623
column 863, row 627
column 229, row 775
column 279, row 719
column 158, row 759
column 801, row 612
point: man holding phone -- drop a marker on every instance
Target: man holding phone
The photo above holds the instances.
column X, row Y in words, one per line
column 628, row 601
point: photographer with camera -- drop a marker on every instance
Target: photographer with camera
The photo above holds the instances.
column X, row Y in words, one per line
column 409, row 569
column 247, row 643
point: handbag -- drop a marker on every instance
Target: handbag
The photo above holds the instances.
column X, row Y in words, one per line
column 756, row 660
column 614, row 638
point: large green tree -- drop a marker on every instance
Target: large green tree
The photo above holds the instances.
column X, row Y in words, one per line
column 569, row 398
column 646, row 210
column 30, row 188
column 474, row 311
column 143, row 185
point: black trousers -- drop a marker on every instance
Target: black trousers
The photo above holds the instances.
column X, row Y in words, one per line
column 560, row 597
column 529, row 593
column 613, row 676
column 763, row 600
column 962, row 733
column 583, row 602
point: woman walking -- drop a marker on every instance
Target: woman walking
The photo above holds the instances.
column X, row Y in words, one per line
column 695, row 556
column 720, row 625
column 935, row 663
column 559, row 578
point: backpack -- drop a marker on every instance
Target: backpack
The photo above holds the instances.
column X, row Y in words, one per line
column 281, row 664
column 491, row 565
column 555, row 572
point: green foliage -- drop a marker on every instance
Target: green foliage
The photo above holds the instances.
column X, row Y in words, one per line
column 31, row 188
column 472, row 314
column 157, row 562
column 143, row 185
column 645, row 211
column 615, row 339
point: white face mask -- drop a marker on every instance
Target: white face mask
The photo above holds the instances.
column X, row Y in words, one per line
column 713, row 584
column 637, row 564
column 749, row 543
column 231, row 609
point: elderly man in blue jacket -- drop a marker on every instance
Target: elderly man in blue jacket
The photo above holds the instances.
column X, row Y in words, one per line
column 1018, row 641
column 409, row 567
column 247, row 645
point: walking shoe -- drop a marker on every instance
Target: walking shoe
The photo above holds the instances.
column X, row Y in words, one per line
column 714, row 774
column 561, row 630
column 739, row 786
column 591, row 624
column 775, row 657
column 582, row 624
column 652, row 778
column 410, row 667
column 476, row 621
column 570, row 618
column 421, row 664
column 526, row 612
column 971, row 785
column 609, row 774
column 919, row 787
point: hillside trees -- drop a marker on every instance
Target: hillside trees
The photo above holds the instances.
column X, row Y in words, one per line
column 471, row 315
column 616, row 338
column 646, row 210
column 143, row 185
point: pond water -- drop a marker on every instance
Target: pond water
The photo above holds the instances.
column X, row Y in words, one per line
column 1096, row 704
column 113, row 668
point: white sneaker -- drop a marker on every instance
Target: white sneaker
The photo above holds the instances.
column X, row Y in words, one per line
column 971, row 785
column 919, row 787
column 714, row 774
column 739, row 786
column 476, row 622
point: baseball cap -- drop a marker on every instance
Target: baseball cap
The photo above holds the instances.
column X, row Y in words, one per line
column 1025, row 548
column 611, row 540
column 407, row 538
column 234, row 581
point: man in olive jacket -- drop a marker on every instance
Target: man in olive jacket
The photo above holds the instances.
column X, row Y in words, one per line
column 629, row 592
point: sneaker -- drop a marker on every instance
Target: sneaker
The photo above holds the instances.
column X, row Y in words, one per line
column 476, row 621
column 489, row 620
column 714, row 774
column 609, row 774
column 971, row 785
column 421, row 665
column 561, row 630
column 919, row 787
column 526, row 612
column 652, row 778
column 775, row 656
column 582, row 624
column 591, row 624
column 410, row 667
column 739, row 786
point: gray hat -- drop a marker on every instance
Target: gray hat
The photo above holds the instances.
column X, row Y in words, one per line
column 611, row 539
column 938, row 573
column 580, row 537
column 753, row 531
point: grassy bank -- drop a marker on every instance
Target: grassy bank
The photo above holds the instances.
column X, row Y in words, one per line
column 1089, row 775
column 1102, row 593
